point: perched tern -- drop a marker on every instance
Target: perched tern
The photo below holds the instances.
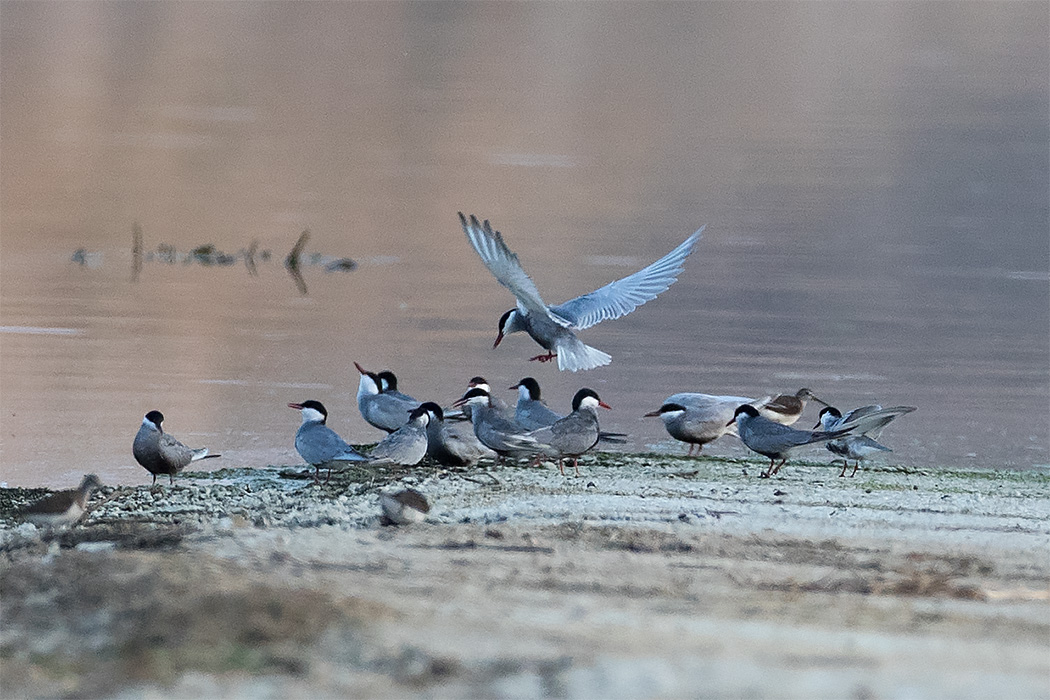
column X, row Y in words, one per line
column 388, row 385
column 772, row 439
column 386, row 411
column 698, row 419
column 159, row 452
column 531, row 412
column 574, row 434
column 318, row 444
column 61, row 507
column 504, row 437
column 452, row 444
column 787, row 408
column 553, row 326
column 867, row 423
column 407, row 445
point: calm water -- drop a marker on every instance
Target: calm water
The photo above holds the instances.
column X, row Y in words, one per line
column 873, row 176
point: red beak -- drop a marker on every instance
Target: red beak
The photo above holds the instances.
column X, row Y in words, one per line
column 360, row 369
column 499, row 339
column 603, row 404
column 296, row 406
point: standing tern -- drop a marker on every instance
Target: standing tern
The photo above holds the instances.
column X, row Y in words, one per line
column 772, row 439
column 61, row 507
column 386, row 411
column 452, row 444
column 867, row 423
column 553, row 326
column 504, row 437
column 698, row 419
column 575, row 433
column 159, row 452
column 318, row 444
column 531, row 412
column 407, row 445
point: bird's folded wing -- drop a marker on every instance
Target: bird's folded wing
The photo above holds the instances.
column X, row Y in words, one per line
column 504, row 265
column 623, row 296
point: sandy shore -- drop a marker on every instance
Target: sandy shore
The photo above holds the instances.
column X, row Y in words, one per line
column 648, row 576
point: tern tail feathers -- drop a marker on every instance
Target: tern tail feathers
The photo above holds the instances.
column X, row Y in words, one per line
column 574, row 355
column 202, row 453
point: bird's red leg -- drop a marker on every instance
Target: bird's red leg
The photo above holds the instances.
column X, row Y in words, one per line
column 845, row 465
column 576, row 465
column 544, row 358
column 855, row 468
column 561, row 467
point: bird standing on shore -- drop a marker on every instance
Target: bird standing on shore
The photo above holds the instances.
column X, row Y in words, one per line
column 698, row 419
column 159, row 452
column 787, row 408
column 318, row 444
column 774, row 440
column 867, row 423
column 407, row 445
column 553, row 326
column 574, row 434
column 386, row 410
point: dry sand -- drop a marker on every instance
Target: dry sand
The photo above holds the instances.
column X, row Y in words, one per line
column 648, row 576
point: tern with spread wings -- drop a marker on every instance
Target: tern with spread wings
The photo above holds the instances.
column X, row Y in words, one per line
column 553, row 326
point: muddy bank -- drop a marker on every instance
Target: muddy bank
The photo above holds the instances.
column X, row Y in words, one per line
column 647, row 576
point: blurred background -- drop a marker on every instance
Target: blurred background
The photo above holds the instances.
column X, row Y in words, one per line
column 873, row 177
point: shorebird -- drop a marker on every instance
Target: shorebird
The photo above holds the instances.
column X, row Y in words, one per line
column 407, row 445
column 386, row 411
column 404, row 507
column 318, row 444
column 774, row 440
column 787, row 408
column 698, row 419
column 574, row 434
column 504, row 437
column 159, row 452
column 867, row 423
column 452, row 445
column 61, row 507
column 553, row 327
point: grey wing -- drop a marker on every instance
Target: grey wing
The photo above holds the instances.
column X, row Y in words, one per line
column 504, row 266
column 871, row 422
column 174, row 452
column 388, row 411
column 623, row 296
column 321, row 444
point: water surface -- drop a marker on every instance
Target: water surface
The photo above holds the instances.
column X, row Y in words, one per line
column 873, row 177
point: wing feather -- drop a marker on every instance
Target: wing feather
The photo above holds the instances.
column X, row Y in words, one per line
column 623, row 296
column 504, row 265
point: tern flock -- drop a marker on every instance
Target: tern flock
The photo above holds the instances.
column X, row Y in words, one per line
column 480, row 426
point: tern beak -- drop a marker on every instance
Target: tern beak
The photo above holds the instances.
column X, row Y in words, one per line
column 360, row 369
column 651, row 414
column 499, row 339
column 603, row 404
column 731, row 422
column 296, row 406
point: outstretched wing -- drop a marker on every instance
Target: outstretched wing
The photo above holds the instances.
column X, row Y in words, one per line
column 504, row 266
column 623, row 296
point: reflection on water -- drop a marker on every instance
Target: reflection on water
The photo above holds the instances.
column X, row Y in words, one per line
column 874, row 180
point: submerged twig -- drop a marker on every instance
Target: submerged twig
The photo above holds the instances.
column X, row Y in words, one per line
column 291, row 262
column 136, row 251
